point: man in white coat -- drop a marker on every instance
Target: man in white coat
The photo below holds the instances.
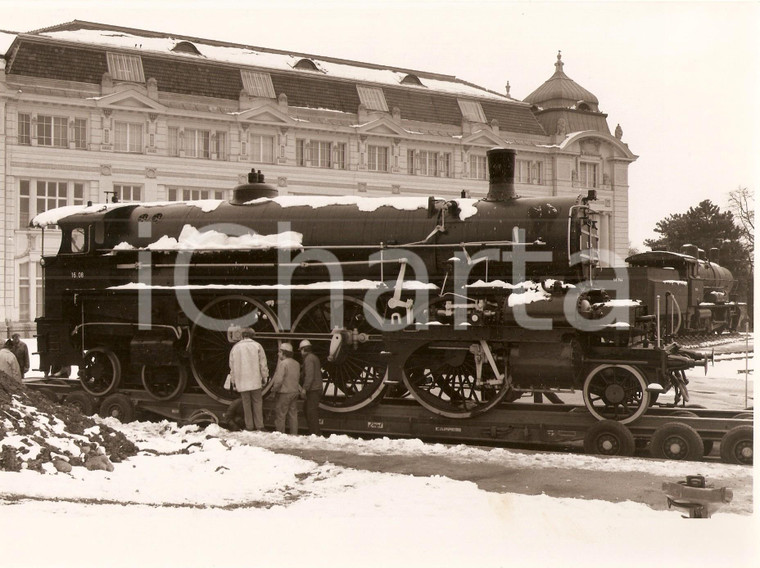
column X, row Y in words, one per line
column 249, row 370
column 9, row 363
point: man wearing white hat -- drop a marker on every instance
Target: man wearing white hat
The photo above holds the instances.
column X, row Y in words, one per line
column 311, row 369
column 285, row 383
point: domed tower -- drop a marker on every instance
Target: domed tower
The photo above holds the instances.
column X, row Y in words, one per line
column 562, row 106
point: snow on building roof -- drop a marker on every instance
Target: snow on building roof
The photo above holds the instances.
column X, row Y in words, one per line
column 264, row 58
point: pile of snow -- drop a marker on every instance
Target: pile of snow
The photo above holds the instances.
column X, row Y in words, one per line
column 40, row 435
column 191, row 239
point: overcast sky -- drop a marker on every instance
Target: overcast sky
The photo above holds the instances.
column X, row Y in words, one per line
column 681, row 78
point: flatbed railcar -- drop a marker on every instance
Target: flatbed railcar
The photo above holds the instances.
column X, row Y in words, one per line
column 675, row 433
column 460, row 305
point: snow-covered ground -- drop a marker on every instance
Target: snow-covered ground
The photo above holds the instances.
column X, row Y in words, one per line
column 209, row 497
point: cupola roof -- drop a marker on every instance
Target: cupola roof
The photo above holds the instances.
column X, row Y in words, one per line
column 560, row 91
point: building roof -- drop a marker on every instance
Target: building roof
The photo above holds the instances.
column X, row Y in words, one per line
column 560, row 91
column 76, row 51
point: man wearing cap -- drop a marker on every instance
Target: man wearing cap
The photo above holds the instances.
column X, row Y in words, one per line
column 311, row 369
column 8, row 362
column 285, row 383
column 248, row 369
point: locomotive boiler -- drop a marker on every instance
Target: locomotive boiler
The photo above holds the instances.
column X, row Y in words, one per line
column 459, row 304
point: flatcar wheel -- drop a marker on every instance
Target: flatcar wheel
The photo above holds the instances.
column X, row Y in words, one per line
column 117, row 406
column 165, row 382
column 443, row 379
column 609, row 438
column 82, row 401
column 677, row 441
column 616, row 392
column 736, row 446
column 356, row 378
column 100, row 373
column 210, row 349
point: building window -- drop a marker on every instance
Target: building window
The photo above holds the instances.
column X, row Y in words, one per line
column 320, row 154
column 262, row 148
column 589, row 174
column 257, row 84
column 478, row 167
column 25, row 129
column 527, row 171
column 38, row 196
column 79, row 133
column 174, row 144
column 377, row 158
column 53, row 131
column 128, row 137
column 372, row 98
column 472, row 111
column 181, row 194
column 339, row 158
column 428, row 163
column 128, row 192
column 24, row 293
column 444, row 165
column 123, row 67
column 410, row 165
column 197, row 143
column 219, row 145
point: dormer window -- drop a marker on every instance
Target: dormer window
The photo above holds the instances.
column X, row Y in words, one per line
column 306, row 65
column 412, row 80
column 472, row 111
column 583, row 106
column 372, row 98
column 124, row 67
column 186, row 47
column 257, row 84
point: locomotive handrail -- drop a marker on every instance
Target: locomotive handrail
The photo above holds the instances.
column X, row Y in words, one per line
column 176, row 329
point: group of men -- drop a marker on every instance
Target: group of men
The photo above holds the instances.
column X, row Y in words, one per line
column 291, row 380
column 14, row 358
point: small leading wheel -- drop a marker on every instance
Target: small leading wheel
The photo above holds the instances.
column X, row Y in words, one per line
column 609, row 438
column 736, row 446
column 443, row 378
column 616, row 392
column 356, row 376
column 118, row 406
column 210, row 349
column 100, row 373
column 677, row 441
column 165, row 382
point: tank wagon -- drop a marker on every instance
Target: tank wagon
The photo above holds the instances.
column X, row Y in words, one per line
column 457, row 305
column 696, row 295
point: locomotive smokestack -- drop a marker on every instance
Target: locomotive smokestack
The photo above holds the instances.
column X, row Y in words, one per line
column 501, row 171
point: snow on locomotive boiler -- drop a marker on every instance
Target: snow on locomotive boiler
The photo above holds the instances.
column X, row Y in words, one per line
column 460, row 304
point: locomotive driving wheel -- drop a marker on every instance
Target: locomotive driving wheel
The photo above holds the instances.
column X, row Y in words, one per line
column 356, row 377
column 210, row 348
column 100, row 373
column 616, row 392
column 165, row 382
column 444, row 379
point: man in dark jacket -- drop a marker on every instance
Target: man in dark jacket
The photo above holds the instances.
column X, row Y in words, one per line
column 311, row 370
column 21, row 352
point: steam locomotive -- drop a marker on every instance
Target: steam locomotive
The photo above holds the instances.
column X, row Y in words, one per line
column 460, row 304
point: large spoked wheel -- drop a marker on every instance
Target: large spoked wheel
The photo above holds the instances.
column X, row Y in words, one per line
column 616, row 392
column 100, row 373
column 166, row 382
column 356, row 376
column 443, row 379
column 210, row 349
